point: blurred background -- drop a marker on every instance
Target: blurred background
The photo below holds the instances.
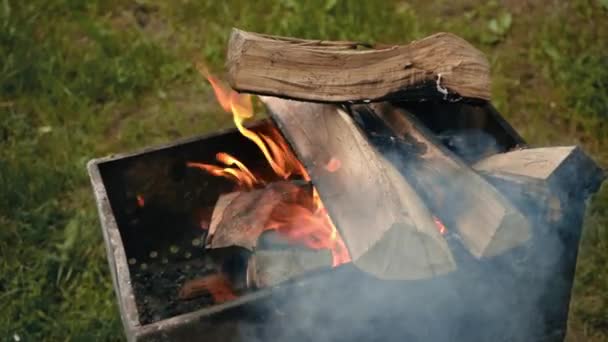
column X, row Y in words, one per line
column 84, row 79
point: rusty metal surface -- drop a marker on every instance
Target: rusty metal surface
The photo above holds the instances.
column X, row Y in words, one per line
column 240, row 320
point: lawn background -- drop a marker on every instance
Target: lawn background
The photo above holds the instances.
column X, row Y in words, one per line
column 83, row 79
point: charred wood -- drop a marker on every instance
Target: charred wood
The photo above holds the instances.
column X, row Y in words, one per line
column 271, row 267
column 240, row 218
column 486, row 221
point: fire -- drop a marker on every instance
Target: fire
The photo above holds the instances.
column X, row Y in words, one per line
column 306, row 221
column 303, row 221
column 240, row 174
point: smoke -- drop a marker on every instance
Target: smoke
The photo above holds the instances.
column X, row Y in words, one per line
column 520, row 295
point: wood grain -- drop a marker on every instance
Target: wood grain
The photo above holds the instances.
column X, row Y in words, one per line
column 486, row 221
column 386, row 227
column 439, row 65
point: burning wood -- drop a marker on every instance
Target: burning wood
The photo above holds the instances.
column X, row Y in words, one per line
column 388, row 230
column 240, row 217
column 271, row 267
column 485, row 220
column 216, row 285
column 329, row 71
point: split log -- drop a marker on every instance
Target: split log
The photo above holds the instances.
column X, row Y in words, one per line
column 486, row 221
column 388, row 230
column 325, row 71
column 564, row 164
column 271, row 267
column 239, row 218
column 554, row 178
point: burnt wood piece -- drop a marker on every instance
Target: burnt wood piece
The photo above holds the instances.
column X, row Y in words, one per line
column 442, row 117
column 485, row 220
column 440, row 65
column 241, row 217
column 267, row 268
column 386, row 227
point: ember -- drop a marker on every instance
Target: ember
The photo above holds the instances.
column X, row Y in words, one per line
column 140, row 201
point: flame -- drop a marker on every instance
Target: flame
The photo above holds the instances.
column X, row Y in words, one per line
column 302, row 221
column 310, row 225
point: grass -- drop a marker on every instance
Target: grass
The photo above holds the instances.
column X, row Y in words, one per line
column 81, row 79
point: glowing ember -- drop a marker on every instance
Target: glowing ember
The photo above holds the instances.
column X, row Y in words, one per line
column 301, row 220
column 140, row 201
column 440, row 225
column 333, row 165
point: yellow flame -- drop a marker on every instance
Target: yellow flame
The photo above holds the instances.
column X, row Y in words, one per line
column 280, row 158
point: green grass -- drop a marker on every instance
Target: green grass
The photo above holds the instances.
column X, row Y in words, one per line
column 81, row 79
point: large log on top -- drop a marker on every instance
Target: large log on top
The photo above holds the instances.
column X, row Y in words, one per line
column 337, row 71
column 486, row 221
column 388, row 230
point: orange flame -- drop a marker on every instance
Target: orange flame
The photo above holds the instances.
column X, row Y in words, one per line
column 312, row 227
column 299, row 223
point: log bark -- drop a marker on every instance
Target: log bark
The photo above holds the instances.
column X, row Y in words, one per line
column 440, row 65
column 486, row 221
column 240, row 218
column 271, row 267
column 386, row 227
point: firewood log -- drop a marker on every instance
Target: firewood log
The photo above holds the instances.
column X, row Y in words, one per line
column 271, row 267
column 388, row 230
column 485, row 220
column 325, row 71
column 239, row 218
column 552, row 177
